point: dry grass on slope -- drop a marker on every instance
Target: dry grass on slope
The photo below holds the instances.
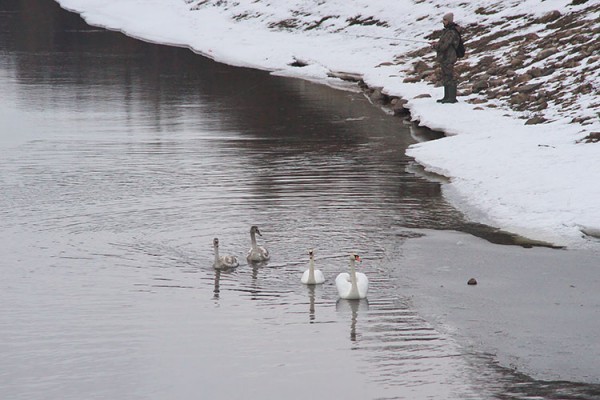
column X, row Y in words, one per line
column 553, row 73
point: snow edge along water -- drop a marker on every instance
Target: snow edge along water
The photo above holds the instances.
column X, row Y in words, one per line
column 537, row 181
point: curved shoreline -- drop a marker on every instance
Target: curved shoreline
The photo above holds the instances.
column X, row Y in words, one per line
column 547, row 214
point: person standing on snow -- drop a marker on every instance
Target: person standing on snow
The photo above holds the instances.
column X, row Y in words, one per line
column 446, row 56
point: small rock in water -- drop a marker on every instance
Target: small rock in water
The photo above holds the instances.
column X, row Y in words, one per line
column 472, row 281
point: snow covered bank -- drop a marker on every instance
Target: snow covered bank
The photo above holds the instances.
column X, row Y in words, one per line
column 540, row 180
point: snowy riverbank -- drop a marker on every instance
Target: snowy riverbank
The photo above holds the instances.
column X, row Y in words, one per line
column 537, row 180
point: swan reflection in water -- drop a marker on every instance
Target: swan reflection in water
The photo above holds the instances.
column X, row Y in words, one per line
column 255, row 287
column 217, row 281
column 353, row 307
column 217, row 285
column 311, row 302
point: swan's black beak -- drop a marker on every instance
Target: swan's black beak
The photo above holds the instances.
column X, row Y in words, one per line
column 357, row 258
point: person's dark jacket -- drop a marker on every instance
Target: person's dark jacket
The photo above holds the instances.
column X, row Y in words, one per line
column 446, row 46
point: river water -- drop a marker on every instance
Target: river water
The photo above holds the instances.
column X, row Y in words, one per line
column 120, row 161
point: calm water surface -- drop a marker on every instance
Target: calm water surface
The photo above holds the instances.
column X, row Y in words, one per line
column 119, row 163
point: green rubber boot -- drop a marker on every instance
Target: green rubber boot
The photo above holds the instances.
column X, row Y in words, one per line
column 451, row 97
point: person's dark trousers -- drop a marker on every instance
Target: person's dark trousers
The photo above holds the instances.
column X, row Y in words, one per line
column 449, row 83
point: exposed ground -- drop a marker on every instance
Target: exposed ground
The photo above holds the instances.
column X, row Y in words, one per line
column 527, row 72
column 541, row 67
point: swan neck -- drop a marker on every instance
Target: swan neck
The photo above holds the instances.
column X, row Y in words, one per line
column 311, row 270
column 253, row 238
column 353, row 276
column 216, row 254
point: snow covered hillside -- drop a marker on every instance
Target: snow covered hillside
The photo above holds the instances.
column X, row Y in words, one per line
column 522, row 149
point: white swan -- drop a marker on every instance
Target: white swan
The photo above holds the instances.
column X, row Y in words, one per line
column 223, row 262
column 257, row 253
column 312, row 276
column 354, row 285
